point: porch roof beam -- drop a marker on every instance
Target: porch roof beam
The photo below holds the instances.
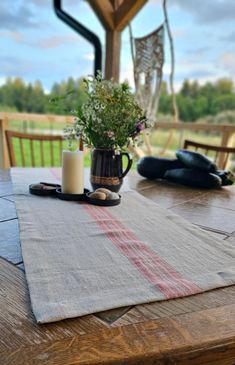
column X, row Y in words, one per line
column 105, row 12
column 126, row 12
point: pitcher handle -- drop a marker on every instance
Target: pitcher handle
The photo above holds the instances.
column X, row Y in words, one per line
column 129, row 157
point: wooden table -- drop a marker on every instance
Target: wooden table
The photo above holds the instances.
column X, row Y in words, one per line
column 194, row 330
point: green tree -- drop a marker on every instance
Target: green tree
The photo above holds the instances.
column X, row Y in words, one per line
column 165, row 100
column 185, row 89
column 223, row 102
column 224, row 86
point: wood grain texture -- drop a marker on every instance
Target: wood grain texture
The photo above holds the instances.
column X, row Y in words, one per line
column 224, row 198
column 196, row 126
column 193, row 338
column 212, row 299
column 10, row 241
column 126, row 12
column 10, row 198
column 227, row 140
column 18, row 327
column 5, row 188
column 104, row 11
column 167, row 194
column 63, row 119
column 7, row 210
column 4, row 158
column 4, row 175
column 219, row 219
column 113, row 52
column 5, row 184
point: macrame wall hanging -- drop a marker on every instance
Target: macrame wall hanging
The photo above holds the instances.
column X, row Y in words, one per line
column 148, row 59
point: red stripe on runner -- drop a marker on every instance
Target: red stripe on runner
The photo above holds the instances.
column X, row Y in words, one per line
column 154, row 268
column 122, row 241
column 167, row 270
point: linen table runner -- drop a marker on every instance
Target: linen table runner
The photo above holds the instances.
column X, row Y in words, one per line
column 81, row 259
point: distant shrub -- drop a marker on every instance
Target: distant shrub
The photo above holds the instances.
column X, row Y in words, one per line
column 226, row 117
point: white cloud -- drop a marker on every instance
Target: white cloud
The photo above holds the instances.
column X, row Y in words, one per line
column 196, row 68
column 127, row 74
column 178, row 33
column 155, row 1
column 227, row 61
column 2, row 80
column 14, row 35
column 47, row 42
column 57, row 41
column 89, row 56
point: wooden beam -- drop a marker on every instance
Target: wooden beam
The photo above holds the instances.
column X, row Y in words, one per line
column 113, row 50
column 116, row 3
column 126, row 12
column 104, row 11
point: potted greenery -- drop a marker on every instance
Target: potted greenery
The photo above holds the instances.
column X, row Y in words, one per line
column 109, row 121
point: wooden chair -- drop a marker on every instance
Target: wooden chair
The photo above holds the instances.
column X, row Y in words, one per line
column 221, row 154
column 34, row 149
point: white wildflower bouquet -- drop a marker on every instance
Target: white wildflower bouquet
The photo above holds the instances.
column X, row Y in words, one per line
column 111, row 118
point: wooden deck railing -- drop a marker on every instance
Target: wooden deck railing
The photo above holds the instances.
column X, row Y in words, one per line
column 226, row 131
column 28, row 117
column 5, row 118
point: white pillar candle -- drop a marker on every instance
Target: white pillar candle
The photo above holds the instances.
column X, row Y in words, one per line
column 72, row 172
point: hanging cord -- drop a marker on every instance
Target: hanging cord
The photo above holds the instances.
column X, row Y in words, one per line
column 172, row 74
column 132, row 47
column 132, row 53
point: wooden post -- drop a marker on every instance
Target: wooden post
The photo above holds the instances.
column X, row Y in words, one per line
column 227, row 141
column 115, row 15
column 4, row 157
column 113, row 51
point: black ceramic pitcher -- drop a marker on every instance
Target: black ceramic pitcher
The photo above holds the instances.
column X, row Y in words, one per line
column 106, row 169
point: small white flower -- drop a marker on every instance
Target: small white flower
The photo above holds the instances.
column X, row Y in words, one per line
column 110, row 134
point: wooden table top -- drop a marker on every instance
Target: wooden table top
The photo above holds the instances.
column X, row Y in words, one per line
column 199, row 329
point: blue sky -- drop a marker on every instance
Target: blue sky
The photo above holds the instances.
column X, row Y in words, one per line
column 35, row 44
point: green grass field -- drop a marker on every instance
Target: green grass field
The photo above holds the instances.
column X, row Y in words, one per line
column 37, row 154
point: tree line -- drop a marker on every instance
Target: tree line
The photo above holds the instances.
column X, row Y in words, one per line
column 195, row 101
column 17, row 95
